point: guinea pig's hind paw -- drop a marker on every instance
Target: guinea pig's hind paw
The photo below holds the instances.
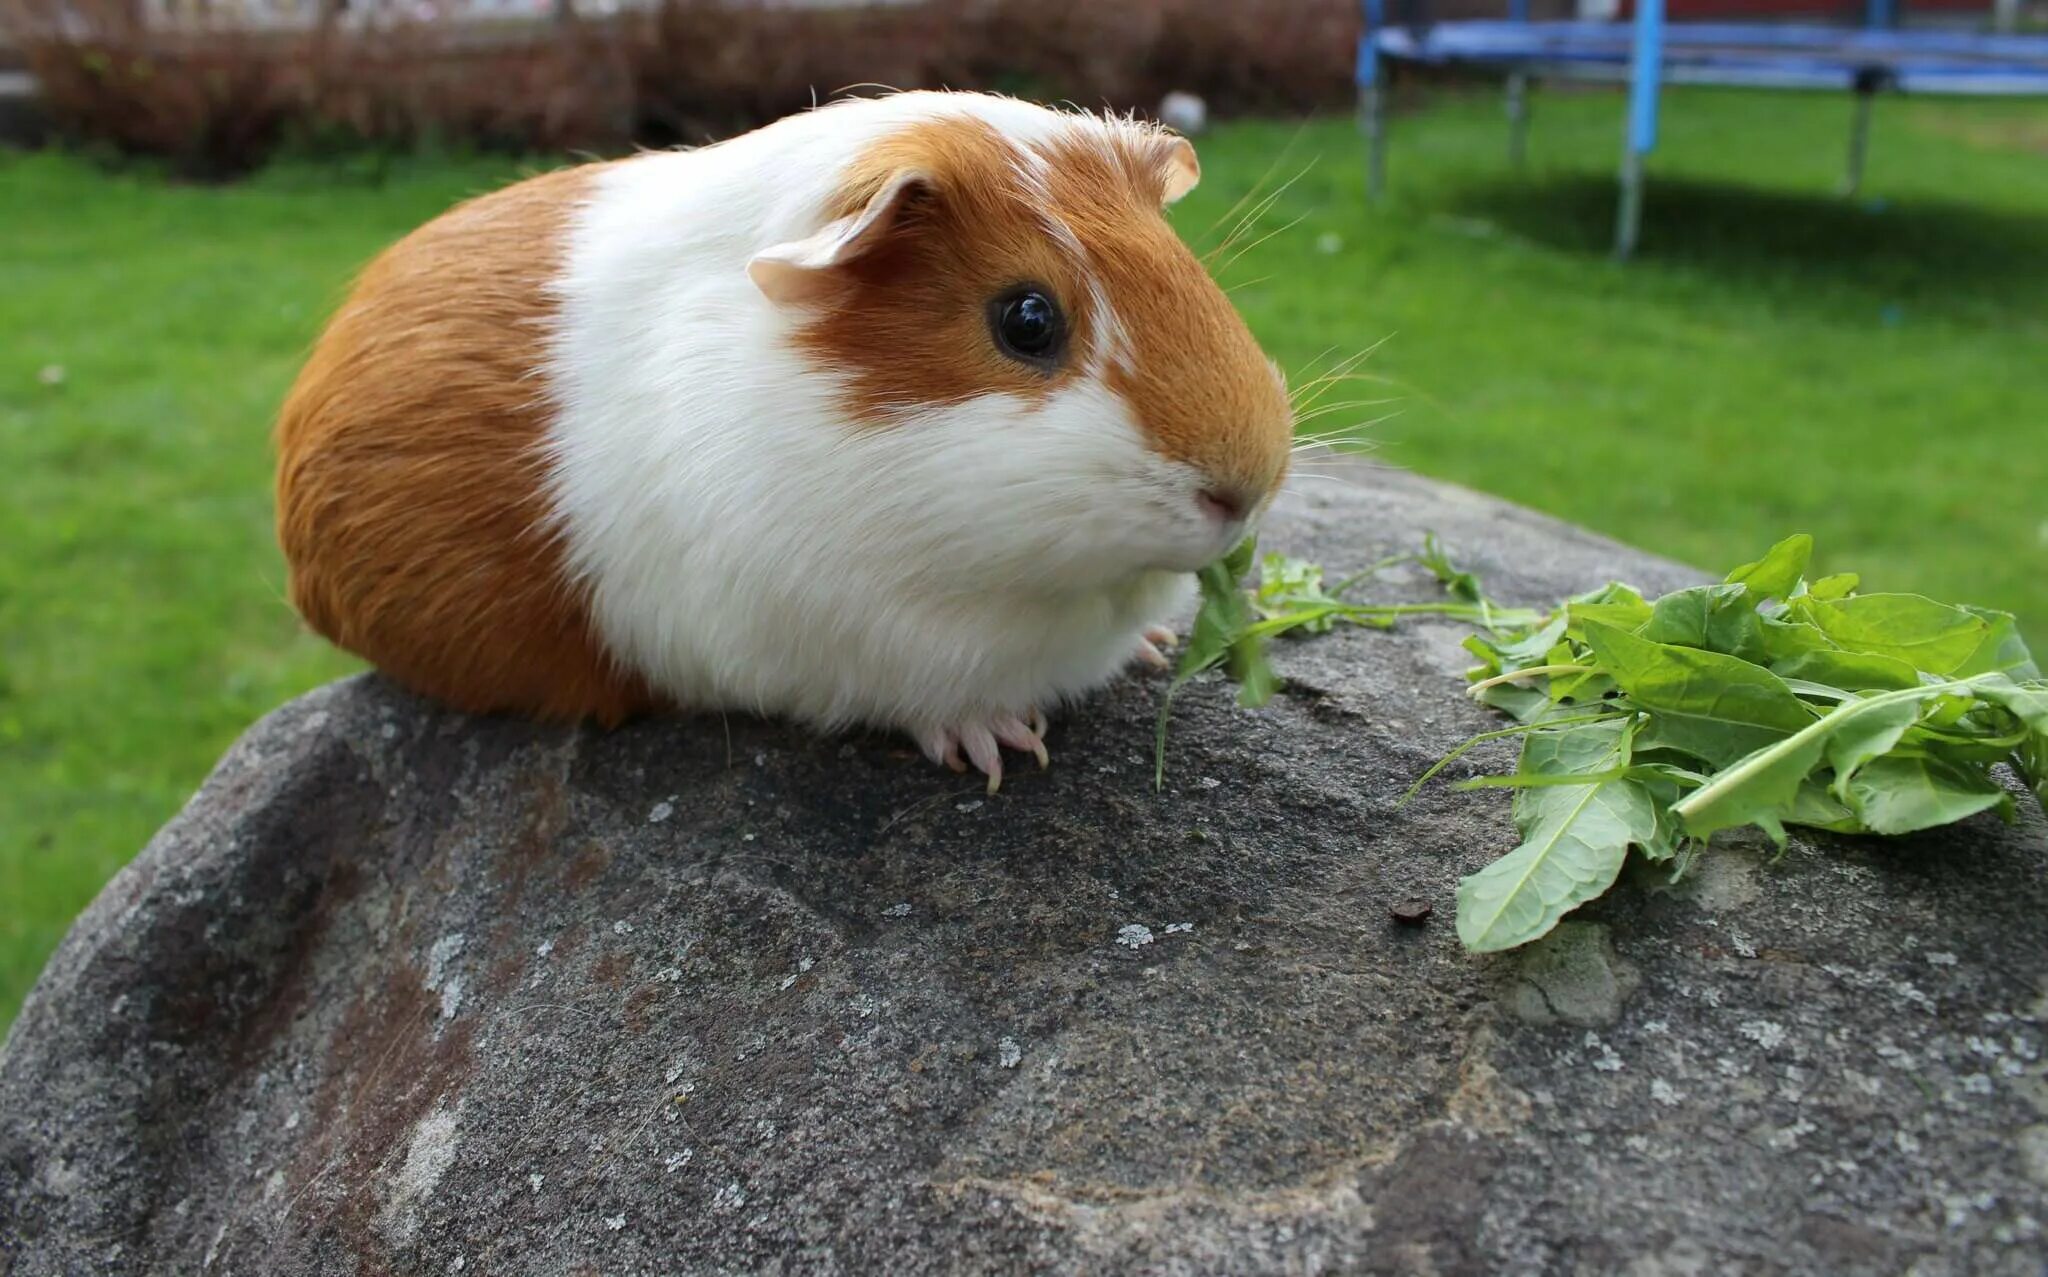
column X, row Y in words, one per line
column 981, row 742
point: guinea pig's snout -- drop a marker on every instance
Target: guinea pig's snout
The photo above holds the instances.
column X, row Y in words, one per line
column 1226, row 502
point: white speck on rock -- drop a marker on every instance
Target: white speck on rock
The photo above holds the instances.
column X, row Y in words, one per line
column 901, row 909
column 427, row 1158
column 456, row 1266
column 1765, row 1033
column 615, row 1222
column 805, row 964
column 1209, row 782
column 1977, row 1084
column 972, row 804
column 445, row 951
column 731, row 1197
column 451, row 997
column 1134, row 936
column 1941, row 959
column 622, row 928
column 535, row 1180
column 1175, row 928
column 677, row 1161
column 789, row 980
column 1663, row 1092
column 662, row 811
column 545, row 948
column 1008, row 1053
column 760, row 760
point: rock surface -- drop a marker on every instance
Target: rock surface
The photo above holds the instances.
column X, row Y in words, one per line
column 407, row 992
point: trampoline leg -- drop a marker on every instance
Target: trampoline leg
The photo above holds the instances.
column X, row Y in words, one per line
column 1859, row 140
column 1518, row 118
column 1628, row 215
column 1646, row 70
column 1372, row 118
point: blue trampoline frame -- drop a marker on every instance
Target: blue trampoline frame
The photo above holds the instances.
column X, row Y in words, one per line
column 1647, row 52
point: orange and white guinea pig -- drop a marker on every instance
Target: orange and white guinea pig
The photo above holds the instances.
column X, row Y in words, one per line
column 909, row 412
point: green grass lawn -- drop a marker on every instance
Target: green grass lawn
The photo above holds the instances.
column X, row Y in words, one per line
column 1775, row 360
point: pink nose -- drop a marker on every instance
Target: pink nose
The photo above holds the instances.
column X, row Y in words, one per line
column 1224, row 504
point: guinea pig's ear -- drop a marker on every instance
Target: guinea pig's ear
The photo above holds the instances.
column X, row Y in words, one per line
column 1178, row 168
column 801, row 269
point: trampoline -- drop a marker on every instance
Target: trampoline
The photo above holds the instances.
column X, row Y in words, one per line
column 1646, row 52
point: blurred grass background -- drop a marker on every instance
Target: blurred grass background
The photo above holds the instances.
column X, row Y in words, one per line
column 1777, row 359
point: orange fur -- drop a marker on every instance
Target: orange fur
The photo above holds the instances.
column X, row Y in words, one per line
column 409, row 493
column 907, row 325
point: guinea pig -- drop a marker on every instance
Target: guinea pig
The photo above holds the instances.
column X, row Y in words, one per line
column 910, row 412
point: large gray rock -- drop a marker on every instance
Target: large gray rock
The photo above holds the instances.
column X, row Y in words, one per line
column 408, row 992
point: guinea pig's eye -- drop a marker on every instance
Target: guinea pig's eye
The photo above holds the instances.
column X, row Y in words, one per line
column 1028, row 325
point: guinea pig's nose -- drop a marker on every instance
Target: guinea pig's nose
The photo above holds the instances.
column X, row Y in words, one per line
column 1224, row 503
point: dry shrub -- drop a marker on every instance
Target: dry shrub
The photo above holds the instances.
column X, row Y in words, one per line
column 210, row 100
column 217, row 100
column 522, row 88
column 705, row 68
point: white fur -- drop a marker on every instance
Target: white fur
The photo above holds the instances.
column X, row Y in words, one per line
column 745, row 546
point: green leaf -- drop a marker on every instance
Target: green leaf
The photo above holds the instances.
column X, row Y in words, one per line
column 1901, row 793
column 1849, row 671
column 1816, row 808
column 2028, row 702
column 1718, row 618
column 1575, row 839
column 1523, row 703
column 1458, row 583
column 2002, row 651
column 1288, row 585
column 1221, row 632
column 1775, row 575
column 1712, row 706
column 1758, row 789
column 1839, row 586
column 1925, row 634
column 1859, row 738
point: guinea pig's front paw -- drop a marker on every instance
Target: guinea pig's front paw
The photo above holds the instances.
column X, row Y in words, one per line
column 1154, row 642
column 981, row 741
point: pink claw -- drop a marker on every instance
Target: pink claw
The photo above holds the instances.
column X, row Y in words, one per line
column 1151, row 655
column 1012, row 731
column 1161, row 636
column 982, row 743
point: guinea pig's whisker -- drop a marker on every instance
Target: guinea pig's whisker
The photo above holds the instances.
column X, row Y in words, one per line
column 1237, row 256
column 1341, row 405
column 1252, row 218
column 1317, row 392
column 1264, row 177
column 1336, row 372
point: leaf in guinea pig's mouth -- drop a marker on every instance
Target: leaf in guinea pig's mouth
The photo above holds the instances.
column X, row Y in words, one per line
column 1223, row 632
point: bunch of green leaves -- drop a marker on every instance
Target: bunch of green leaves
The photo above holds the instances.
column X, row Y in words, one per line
column 1233, row 623
column 1766, row 700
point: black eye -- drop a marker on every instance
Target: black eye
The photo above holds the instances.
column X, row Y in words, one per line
column 1028, row 325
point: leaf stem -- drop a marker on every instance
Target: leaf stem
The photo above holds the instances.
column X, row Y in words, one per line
column 1532, row 671
column 1518, row 729
column 1742, row 770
